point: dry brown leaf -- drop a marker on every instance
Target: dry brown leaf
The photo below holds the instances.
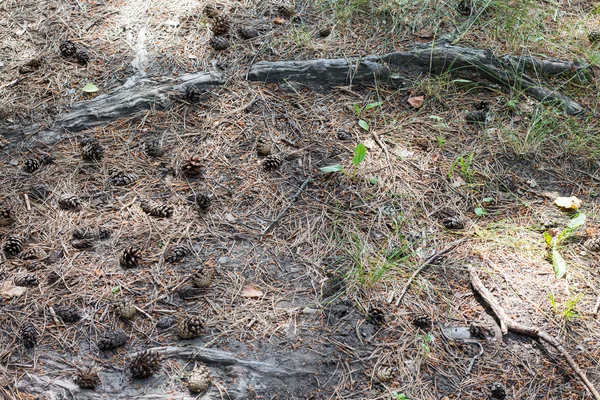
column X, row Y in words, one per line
column 252, row 292
column 278, row 21
column 8, row 290
column 416, row 102
column 424, row 33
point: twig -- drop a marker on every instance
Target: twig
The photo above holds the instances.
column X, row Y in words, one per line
column 507, row 324
column 144, row 313
column 286, row 209
column 27, row 203
column 596, row 307
column 425, row 264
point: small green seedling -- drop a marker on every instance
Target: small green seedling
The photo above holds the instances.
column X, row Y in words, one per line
column 360, row 153
column 465, row 165
column 400, row 396
column 554, row 238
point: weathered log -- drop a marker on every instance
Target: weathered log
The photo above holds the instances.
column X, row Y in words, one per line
column 399, row 67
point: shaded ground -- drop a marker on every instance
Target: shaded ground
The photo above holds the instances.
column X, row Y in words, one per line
column 345, row 248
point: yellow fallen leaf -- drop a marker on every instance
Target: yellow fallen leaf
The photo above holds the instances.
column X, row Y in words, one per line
column 569, row 203
column 8, row 290
column 251, row 291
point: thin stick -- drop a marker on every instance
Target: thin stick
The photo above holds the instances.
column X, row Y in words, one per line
column 27, row 203
column 507, row 324
column 596, row 307
column 425, row 264
column 286, row 209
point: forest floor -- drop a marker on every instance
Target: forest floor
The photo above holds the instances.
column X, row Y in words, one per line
column 312, row 293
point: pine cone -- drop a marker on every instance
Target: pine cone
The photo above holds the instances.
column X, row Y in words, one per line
column 384, row 374
column 199, row 379
column 192, row 166
column 85, row 232
column 26, row 280
column 177, row 254
column 203, row 276
column 272, row 162
column 190, row 328
column 220, row 26
column 52, row 278
column 286, row 10
column 82, row 57
column 592, row 244
column 91, row 149
column 263, row 146
column 145, row 364
column 323, row 33
column 130, row 257
column 6, row 215
column 476, row 117
column 39, row 192
column 120, row 178
column 376, row 316
column 67, row 49
column 154, row 148
column 67, row 313
column 464, row 7
column 157, row 210
column 124, row 309
column 211, row 11
column 31, row 165
column 87, row 379
column 423, row 322
column 219, row 43
column 33, row 253
column 594, row 37
column 193, row 94
column 12, row 246
column 498, row 391
column 82, row 244
column 29, row 335
column 247, row 32
column 112, row 340
column 70, row 202
column 45, row 159
column 202, row 201
column 453, row 223
column 104, row 233
column 33, row 265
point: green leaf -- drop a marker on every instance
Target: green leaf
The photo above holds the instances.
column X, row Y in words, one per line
column 363, row 124
column 480, row 212
column 559, row 264
column 115, row 289
column 89, row 88
column 577, row 221
column 487, row 200
column 373, row 105
column 548, row 238
column 332, row 168
column 357, row 110
column 374, row 180
column 360, row 152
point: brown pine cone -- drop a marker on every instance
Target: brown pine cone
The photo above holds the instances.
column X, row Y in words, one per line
column 263, row 146
column 112, row 340
column 247, row 32
column 423, row 322
column 29, row 335
column 120, row 178
column 87, row 379
column 203, row 276
column 192, row 166
column 33, row 253
column 199, row 379
column 190, row 328
column 376, row 316
column 145, row 364
column 31, row 165
column 28, row 280
column 70, row 202
column 272, row 162
column 219, row 43
column 220, row 26
column 124, row 309
column 91, row 149
column 177, row 254
column 13, row 245
column 201, row 200
column 67, row 313
column 67, row 49
column 6, row 215
column 157, row 210
column 130, row 257
column 154, row 148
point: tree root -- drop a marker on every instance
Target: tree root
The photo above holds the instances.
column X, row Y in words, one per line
column 507, row 324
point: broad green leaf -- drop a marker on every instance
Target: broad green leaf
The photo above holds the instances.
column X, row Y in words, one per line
column 487, row 200
column 480, row 212
column 357, row 109
column 577, row 221
column 374, row 180
column 373, row 105
column 360, row 152
column 559, row 264
column 548, row 238
column 332, row 168
column 363, row 124
column 89, row 88
column 116, row 289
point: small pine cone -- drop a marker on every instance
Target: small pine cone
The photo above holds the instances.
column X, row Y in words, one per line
column 157, row 210
column 200, row 200
column 52, row 278
column 112, row 340
column 104, row 233
column 323, row 33
column 6, row 215
column 130, row 257
column 192, row 166
column 203, row 276
column 247, row 32
column 124, row 309
column 29, row 335
column 12, row 246
column 165, row 322
column 87, row 379
column 453, row 222
column 120, row 178
column 464, row 7
column 263, row 146
column 592, row 244
column 82, row 244
column 39, row 192
column 82, row 57
column 91, row 149
column 211, row 11
column 220, row 26
column 594, row 37
column 67, row 49
column 498, row 391
column 199, row 379
column 190, row 328
column 145, row 364
column 476, row 117
column 177, row 254
column 423, row 322
column 31, row 165
column 70, row 202
column 28, row 280
column 384, row 374
column 193, row 94
column 376, row 316
column 68, row 314
column 45, row 159
column 33, row 265
column 84, row 233
column 33, row 253
column 272, row 162
column 153, row 148
column 286, row 10
column 219, row 43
